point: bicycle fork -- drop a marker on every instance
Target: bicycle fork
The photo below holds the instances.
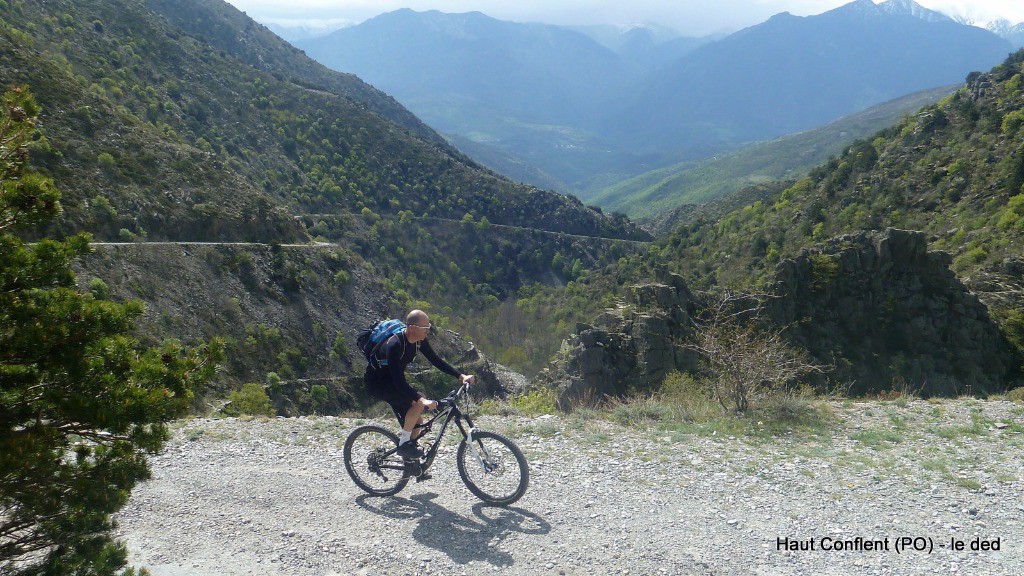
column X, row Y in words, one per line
column 481, row 454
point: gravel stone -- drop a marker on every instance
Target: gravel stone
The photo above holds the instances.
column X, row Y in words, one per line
column 272, row 498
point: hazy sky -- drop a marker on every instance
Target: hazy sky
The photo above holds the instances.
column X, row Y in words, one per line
column 691, row 17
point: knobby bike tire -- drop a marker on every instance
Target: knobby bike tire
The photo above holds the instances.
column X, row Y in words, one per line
column 376, row 474
column 504, row 475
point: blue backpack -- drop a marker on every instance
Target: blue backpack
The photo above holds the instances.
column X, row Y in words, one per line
column 371, row 339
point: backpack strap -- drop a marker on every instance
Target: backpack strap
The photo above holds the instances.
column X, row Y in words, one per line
column 383, row 362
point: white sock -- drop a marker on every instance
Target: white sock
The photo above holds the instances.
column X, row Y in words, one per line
column 405, row 437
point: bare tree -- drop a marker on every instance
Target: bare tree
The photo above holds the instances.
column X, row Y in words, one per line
column 744, row 357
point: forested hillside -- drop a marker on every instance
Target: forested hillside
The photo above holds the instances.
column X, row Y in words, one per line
column 954, row 171
column 185, row 121
column 198, row 90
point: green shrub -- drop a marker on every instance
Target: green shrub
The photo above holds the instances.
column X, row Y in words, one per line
column 318, row 395
column 497, row 408
column 641, row 412
column 823, row 271
column 682, row 386
column 251, row 399
column 535, row 402
column 973, row 256
column 1016, row 395
column 369, row 216
column 340, row 346
column 782, row 411
column 99, row 289
column 106, row 161
column 342, row 279
column 1013, row 213
column 692, row 400
column 1012, row 122
column 514, row 356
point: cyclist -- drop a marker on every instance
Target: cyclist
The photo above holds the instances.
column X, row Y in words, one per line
column 388, row 382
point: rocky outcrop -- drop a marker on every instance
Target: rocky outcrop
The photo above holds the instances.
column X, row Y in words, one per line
column 890, row 313
column 627, row 349
column 878, row 306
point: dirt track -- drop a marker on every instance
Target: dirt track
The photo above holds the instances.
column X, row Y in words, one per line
column 232, row 497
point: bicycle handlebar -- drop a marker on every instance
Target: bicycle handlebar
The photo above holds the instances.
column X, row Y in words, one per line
column 449, row 400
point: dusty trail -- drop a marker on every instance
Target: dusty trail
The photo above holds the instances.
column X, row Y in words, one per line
column 271, row 498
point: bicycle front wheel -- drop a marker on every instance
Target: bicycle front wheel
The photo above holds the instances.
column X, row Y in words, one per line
column 371, row 461
column 493, row 468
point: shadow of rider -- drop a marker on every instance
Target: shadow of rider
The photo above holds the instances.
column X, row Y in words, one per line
column 463, row 539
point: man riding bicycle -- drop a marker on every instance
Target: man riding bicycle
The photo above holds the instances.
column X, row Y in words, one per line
column 388, row 382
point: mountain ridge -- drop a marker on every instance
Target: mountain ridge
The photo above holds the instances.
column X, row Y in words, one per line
column 633, row 113
column 185, row 121
column 654, row 195
column 773, row 57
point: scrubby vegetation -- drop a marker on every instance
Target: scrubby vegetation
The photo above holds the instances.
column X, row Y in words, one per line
column 952, row 170
column 187, row 121
column 81, row 402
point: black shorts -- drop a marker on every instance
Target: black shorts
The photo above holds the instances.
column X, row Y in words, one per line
column 380, row 386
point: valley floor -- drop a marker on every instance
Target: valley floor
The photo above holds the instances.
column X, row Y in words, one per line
column 234, row 497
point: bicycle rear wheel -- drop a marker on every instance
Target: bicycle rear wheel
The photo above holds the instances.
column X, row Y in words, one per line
column 369, row 463
column 493, row 468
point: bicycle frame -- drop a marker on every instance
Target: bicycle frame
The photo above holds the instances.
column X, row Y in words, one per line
column 501, row 478
column 450, row 413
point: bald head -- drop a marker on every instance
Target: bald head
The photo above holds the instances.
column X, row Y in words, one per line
column 418, row 317
column 417, row 326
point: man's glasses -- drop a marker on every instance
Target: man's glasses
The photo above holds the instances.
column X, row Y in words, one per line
column 427, row 327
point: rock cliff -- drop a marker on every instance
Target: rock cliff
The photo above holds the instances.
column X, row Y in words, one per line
column 878, row 305
column 889, row 311
column 627, row 349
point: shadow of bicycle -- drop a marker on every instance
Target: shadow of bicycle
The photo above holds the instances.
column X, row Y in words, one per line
column 463, row 539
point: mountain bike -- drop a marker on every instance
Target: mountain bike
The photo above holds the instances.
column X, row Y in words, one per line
column 492, row 466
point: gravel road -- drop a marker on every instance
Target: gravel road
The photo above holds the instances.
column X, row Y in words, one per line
column 233, row 497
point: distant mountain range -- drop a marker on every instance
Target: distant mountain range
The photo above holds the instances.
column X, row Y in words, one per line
column 647, row 46
column 1014, row 33
column 532, row 91
column 653, row 196
column 793, row 73
column 589, row 107
column 294, row 31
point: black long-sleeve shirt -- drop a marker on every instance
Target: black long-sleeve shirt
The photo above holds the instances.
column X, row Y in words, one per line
column 399, row 353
